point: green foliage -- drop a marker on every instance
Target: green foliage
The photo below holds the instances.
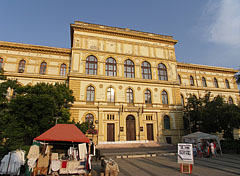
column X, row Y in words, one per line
column 30, row 111
column 212, row 116
column 230, row 146
column 83, row 126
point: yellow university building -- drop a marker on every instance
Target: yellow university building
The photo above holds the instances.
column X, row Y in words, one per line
column 127, row 84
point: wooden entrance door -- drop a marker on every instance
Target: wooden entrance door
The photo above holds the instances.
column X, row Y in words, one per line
column 150, row 132
column 110, row 132
column 130, row 128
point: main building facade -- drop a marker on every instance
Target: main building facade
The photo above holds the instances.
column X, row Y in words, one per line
column 127, row 84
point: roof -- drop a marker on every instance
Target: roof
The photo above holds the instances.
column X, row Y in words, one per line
column 63, row 132
column 201, row 135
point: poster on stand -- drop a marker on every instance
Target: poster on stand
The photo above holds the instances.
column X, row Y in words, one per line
column 185, row 153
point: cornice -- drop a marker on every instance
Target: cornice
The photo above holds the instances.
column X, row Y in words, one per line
column 209, row 89
column 38, row 76
column 34, row 48
column 121, row 79
column 122, row 32
column 205, row 68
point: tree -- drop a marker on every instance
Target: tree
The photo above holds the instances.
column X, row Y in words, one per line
column 31, row 110
column 212, row 116
column 237, row 77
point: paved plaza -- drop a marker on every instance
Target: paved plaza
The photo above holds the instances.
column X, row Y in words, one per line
column 167, row 165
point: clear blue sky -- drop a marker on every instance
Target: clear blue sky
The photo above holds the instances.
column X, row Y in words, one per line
column 208, row 31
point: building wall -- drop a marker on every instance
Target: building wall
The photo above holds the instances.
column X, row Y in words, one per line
column 121, row 44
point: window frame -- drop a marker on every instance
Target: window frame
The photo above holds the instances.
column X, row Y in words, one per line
column 162, row 72
column 192, row 83
column 108, row 70
column 129, row 69
column 164, row 95
column 129, row 96
column 227, row 84
column 89, row 118
column 91, row 65
column 167, row 123
column 43, row 68
column 179, row 79
column 63, row 69
column 90, row 94
column 21, row 66
column 204, row 82
column 230, row 101
column 110, row 95
column 1, row 63
column 148, row 96
column 146, row 70
column 216, row 83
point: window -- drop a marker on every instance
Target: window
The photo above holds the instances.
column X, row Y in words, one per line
column 149, row 117
column 182, row 100
column 146, row 70
column 148, row 99
column 179, row 79
column 43, row 68
column 89, row 118
column 110, row 95
column 164, row 97
column 90, row 93
column 1, row 62
column 166, row 122
column 162, row 72
column 191, row 81
column 215, row 82
column 129, row 95
column 91, row 65
column 227, row 84
column 21, row 66
column 111, row 67
column 204, row 83
column 110, row 117
column 230, row 100
column 129, row 71
column 63, row 69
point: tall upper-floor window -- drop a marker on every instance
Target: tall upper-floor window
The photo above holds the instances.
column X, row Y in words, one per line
column 148, row 98
column 164, row 97
column 110, row 95
column 215, row 82
column 129, row 95
column 179, row 80
column 204, row 83
column 227, row 84
column 90, row 93
column 91, row 65
column 63, row 69
column 146, row 70
column 191, row 81
column 182, row 100
column 166, row 122
column 129, row 71
column 43, row 68
column 230, row 100
column 21, row 66
column 162, row 72
column 111, row 67
column 1, row 62
column 89, row 119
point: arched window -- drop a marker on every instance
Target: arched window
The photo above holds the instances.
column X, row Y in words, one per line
column 182, row 100
column 215, row 82
column 129, row 95
column 90, row 93
column 191, row 81
column 129, row 71
column 230, row 100
column 21, row 66
column 146, row 70
column 1, row 62
column 63, row 69
column 91, row 65
column 204, row 83
column 43, row 68
column 89, row 118
column 162, row 72
column 179, row 79
column 148, row 98
column 110, row 95
column 111, row 67
column 164, row 97
column 227, row 84
column 166, row 122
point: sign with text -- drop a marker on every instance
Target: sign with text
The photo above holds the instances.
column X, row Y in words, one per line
column 185, row 153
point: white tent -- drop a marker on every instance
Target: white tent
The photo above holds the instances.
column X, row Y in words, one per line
column 196, row 137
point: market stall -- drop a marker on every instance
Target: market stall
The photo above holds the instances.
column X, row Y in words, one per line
column 63, row 149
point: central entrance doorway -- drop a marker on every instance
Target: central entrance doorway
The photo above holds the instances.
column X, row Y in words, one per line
column 130, row 128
